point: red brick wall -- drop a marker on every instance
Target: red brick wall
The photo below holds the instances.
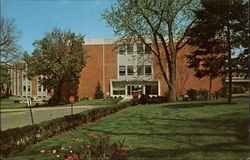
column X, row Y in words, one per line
column 93, row 72
column 185, row 78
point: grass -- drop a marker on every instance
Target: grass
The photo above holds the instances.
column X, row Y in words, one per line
column 7, row 103
column 181, row 130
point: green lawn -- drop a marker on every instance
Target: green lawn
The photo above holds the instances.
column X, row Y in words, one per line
column 181, row 130
column 8, row 103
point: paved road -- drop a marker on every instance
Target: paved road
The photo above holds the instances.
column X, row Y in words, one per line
column 21, row 117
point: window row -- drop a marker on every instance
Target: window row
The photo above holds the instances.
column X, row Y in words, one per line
column 131, row 48
column 28, row 88
column 141, row 70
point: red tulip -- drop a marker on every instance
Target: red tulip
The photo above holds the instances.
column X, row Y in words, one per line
column 75, row 156
column 108, row 137
column 87, row 146
column 95, row 137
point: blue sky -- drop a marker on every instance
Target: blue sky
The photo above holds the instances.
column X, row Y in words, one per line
column 36, row 17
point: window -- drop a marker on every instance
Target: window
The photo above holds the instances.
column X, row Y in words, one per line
column 24, row 88
column 139, row 48
column 44, row 89
column 121, row 49
column 28, row 88
column 130, row 49
column 130, row 70
column 24, row 76
column 39, row 88
column 148, row 49
column 140, row 70
column 148, row 70
column 122, row 70
column 151, row 90
column 119, row 91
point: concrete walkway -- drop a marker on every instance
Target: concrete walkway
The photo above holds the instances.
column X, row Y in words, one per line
column 126, row 99
column 11, row 118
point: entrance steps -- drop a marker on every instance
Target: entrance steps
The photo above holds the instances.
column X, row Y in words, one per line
column 126, row 99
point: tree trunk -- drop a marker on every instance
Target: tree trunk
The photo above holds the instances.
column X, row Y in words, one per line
column 172, row 86
column 210, row 88
column 229, row 64
column 58, row 92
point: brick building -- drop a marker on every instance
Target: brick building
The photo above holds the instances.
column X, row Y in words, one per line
column 120, row 69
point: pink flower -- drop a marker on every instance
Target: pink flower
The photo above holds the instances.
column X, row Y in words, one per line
column 90, row 135
column 75, row 156
column 103, row 137
column 87, row 146
column 53, row 151
column 69, row 158
column 95, row 137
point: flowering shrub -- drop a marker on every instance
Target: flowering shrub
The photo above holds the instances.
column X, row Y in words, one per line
column 91, row 147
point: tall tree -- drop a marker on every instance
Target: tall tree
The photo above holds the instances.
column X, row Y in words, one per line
column 9, row 51
column 164, row 23
column 218, row 32
column 59, row 57
column 9, row 48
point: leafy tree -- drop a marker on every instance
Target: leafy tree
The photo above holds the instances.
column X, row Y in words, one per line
column 59, row 57
column 164, row 23
column 98, row 92
column 4, row 80
column 221, row 27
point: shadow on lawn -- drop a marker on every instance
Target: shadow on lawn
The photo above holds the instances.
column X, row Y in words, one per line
column 194, row 105
column 217, row 130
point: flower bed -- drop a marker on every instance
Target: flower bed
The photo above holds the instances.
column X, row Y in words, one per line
column 16, row 139
column 88, row 147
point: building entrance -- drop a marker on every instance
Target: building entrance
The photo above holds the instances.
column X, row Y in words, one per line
column 132, row 88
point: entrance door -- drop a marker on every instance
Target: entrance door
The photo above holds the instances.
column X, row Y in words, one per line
column 132, row 88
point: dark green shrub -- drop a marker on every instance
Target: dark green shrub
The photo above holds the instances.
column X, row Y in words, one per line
column 16, row 139
column 192, row 94
column 203, row 94
column 144, row 99
column 98, row 92
column 223, row 92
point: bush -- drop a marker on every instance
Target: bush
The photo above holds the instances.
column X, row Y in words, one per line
column 144, row 99
column 192, row 94
column 16, row 139
column 203, row 94
column 98, row 92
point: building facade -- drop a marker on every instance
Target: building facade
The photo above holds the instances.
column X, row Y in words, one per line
column 120, row 70
column 23, row 87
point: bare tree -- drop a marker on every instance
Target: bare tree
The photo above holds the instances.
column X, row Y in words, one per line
column 164, row 23
column 9, row 49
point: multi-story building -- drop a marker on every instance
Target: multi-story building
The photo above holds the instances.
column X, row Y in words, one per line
column 22, row 86
column 120, row 70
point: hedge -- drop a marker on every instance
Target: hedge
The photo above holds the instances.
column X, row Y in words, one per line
column 16, row 139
